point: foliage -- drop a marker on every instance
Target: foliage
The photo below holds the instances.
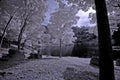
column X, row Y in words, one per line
column 116, row 36
column 83, row 41
column 61, row 22
column 113, row 13
column 60, row 25
column 27, row 13
column 82, row 34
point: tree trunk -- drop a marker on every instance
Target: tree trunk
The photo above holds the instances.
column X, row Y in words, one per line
column 41, row 47
column 3, row 34
column 48, row 50
column 60, row 48
column 21, row 33
column 23, row 45
column 105, row 47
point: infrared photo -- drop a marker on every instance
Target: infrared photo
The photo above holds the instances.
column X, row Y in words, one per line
column 59, row 39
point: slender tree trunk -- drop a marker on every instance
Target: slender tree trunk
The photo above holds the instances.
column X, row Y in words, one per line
column 60, row 48
column 48, row 50
column 40, row 55
column 105, row 47
column 23, row 45
column 3, row 34
column 21, row 33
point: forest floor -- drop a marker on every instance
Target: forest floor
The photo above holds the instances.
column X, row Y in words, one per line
column 54, row 68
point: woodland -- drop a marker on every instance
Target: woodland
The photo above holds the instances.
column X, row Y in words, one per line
column 27, row 32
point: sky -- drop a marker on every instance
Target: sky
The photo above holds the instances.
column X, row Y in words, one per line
column 52, row 7
column 83, row 21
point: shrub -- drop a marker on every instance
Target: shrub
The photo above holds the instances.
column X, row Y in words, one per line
column 94, row 61
column 118, row 62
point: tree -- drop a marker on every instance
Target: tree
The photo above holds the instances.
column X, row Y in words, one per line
column 83, row 40
column 32, row 16
column 35, row 39
column 113, row 14
column 105, row 48
column 81, row 4
column 60, row 25
column 116, row 35
column 28, row 14
column 21, row 32
column 113, row 7
column 8, row 12
column 3, row 34
column 82, row 34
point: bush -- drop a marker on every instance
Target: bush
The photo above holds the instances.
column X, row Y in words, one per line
column 14, row 57
column 55, row 50
column 34, row 56
column 94, row 61
column 118, row 62
column 79, row 50
column 84, row 50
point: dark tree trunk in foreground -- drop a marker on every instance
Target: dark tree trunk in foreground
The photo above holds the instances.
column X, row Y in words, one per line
column 3, row 34
column 105, row 47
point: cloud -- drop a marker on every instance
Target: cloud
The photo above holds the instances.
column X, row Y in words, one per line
column 84, row 20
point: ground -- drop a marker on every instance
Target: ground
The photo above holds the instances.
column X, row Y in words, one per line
column 54, row 68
